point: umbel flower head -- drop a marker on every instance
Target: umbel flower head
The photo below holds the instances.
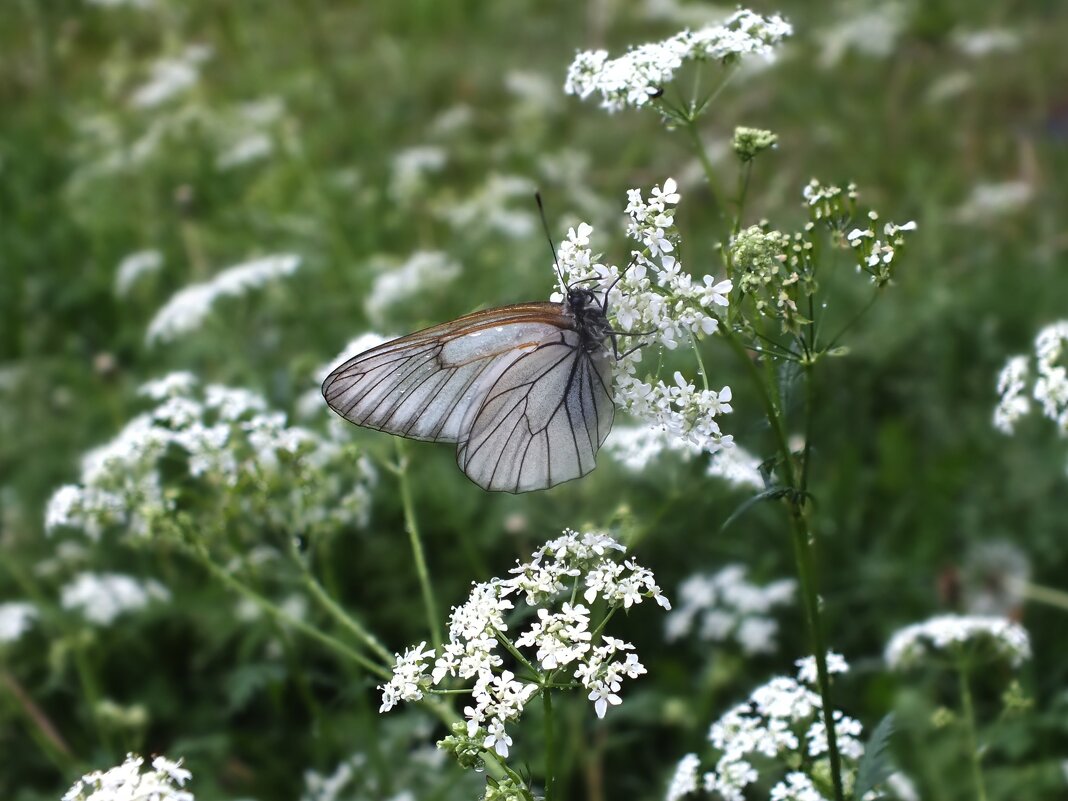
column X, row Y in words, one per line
column 640, row 75
column 562, row 582
column 210, row 438
column 778, row 737
column 664, row 305
column 129, row 782
column 952, row 637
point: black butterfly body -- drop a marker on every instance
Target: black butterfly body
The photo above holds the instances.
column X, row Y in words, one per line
column 525, row 391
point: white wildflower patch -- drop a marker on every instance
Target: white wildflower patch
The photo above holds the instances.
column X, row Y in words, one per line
column 958, row 636
column 101, row 597
column 134, row 267
column 657, row 303
column 778, row 737
column 986, row 41
column 562, row 581
column 640, row 75
column 684, row 779
column 130, row 781
column 990, row 201
column 872, row 32
column 170, row 77
column 190, row 306
column 1049, row 390
column 491, row 209
column 16, row 618
column 410, row 170
column 224, row 436
column 637, row 447
column 725, row 606
column 423, row 272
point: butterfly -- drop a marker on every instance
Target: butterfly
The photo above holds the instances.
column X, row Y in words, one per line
column 525, row 391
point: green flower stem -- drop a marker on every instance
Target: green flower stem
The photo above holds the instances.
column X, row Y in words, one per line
column 498, row 768
column 706, row 165
column 510, row 647
column 802, row 541
column 969, row 729
column 42, row 730
column 335, row 610
column 278, row 614
column 550, row 746
column 91, row 690
column 1046, row 595
column 412, row 525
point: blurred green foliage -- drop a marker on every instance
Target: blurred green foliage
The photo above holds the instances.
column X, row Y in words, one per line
column 909, row 472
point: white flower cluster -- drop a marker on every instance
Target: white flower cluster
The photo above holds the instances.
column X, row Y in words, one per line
column 1050, row 388
column 779, row 727
column 636, row 447
column 956, row 634
column 424, row 272
column 640, row 75
column 102, row 597
column 488, row 210
column 226, row 435
column 16, row 617
column 876, row 253
column 134, row 267
column 726, row 605
column 410, row 168
column 660, row 303
column 186, row 310
column 171, row 76
column 562, row 640
column 126, row 782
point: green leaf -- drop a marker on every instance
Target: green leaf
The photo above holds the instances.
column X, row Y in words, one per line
column 875, row 766
column 769, row 494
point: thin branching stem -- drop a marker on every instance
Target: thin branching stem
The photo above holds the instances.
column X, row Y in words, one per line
column 968, row 709
column 411, row 523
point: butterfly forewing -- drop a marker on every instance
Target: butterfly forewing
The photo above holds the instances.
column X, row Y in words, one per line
column 424, row 385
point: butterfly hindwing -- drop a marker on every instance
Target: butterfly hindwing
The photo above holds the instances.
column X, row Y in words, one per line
column 543, row 421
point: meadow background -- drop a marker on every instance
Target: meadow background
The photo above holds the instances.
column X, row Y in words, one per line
column 356, row 135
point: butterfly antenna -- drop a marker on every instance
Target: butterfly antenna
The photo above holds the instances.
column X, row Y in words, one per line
column 552, row 247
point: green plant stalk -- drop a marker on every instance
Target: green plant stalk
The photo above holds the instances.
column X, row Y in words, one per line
column 278, row 614
column 335, row 610
column 550, row 746
column 969, row 729
column 802, row 551
column 412, row 525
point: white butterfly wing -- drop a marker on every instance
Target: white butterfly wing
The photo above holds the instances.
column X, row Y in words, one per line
column 543, row 421
column 429, row 384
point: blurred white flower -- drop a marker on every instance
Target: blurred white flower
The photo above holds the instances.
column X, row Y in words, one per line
column 981, row 43
column 994, row 578
column 726, row 606
column 170, row 77
column 227, row 434
column 102, row 597
column 425, row 271
column 737, row 467
column 534, row 91
column 134, row 267
column 956, row 634
column 872, row 30
column 990, row 201
column 1050, row 389
column 16, row 617
column 638, row 76
column 188, row 308
column 487, row 211
column 684, row 779
column 127, row 782
column 410, row 168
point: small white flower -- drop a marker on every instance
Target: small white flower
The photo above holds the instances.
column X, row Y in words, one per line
column 684, row 780
column 100, row 598
column 952, row 634
column 16, row 617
